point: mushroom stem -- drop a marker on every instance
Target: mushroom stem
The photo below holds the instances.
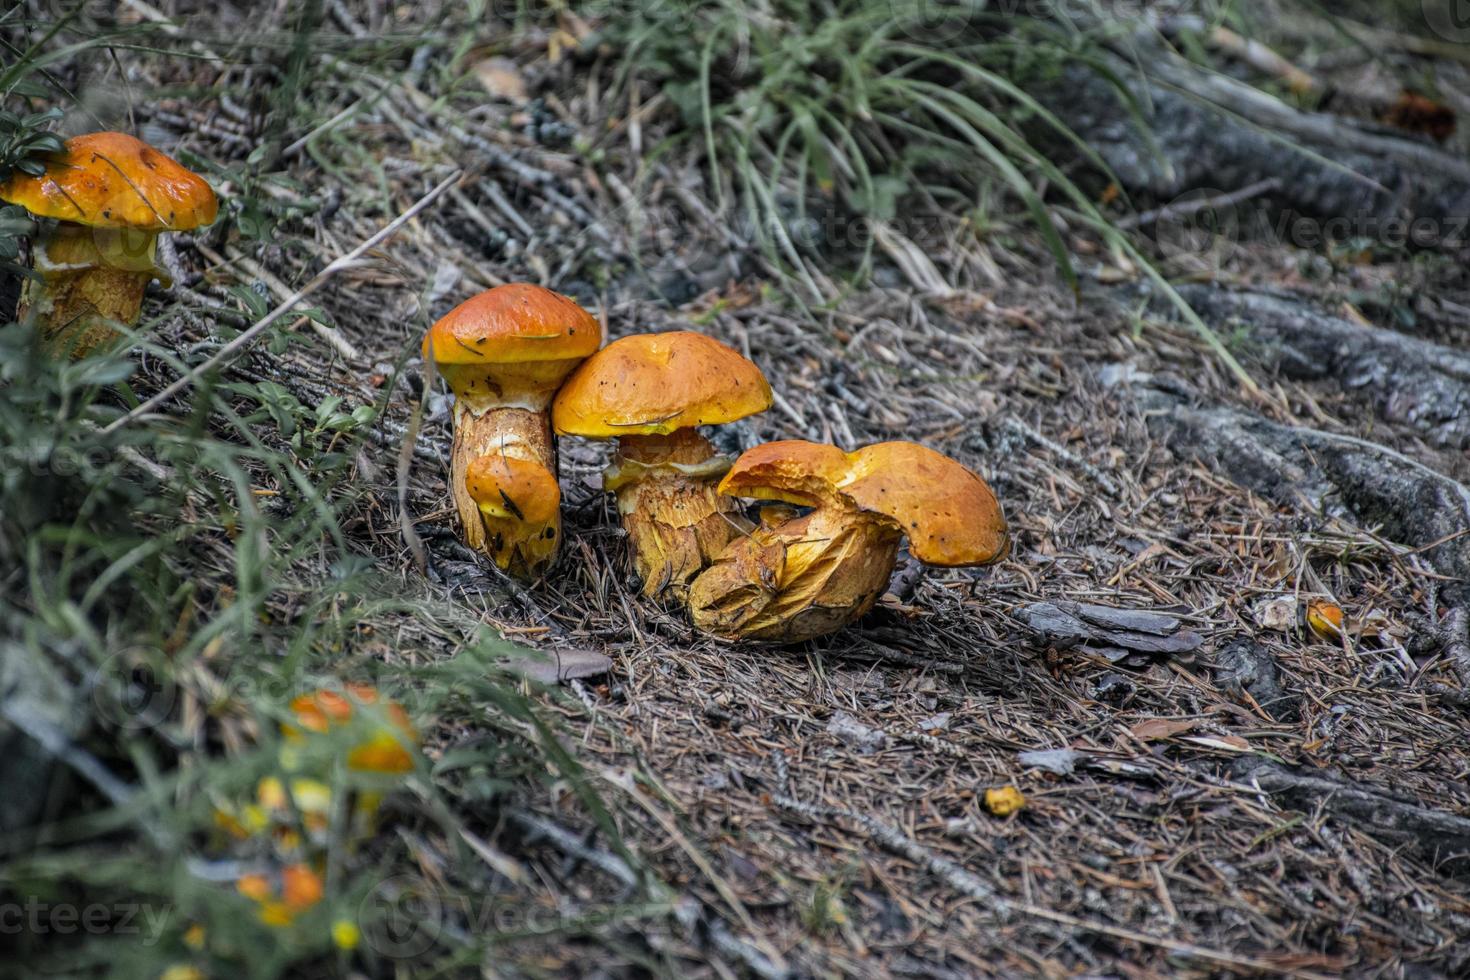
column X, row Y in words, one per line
column 676, row 521
column 796, row 579
column 515, row 544
column 91, row 280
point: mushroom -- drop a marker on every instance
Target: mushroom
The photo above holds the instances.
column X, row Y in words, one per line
column 384, row 740
column 111, row 195
column 650, row 392
column 504, row 353
column 801, row 575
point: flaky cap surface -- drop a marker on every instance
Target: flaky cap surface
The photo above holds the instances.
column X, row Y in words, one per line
column 793, row 470
column 113, row 180
column 514, row 488
column 654, row 384
column 513, row 323
column 950, row 515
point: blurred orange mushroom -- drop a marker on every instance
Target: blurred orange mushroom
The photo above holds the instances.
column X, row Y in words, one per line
column 285, row 895
column 385, row 748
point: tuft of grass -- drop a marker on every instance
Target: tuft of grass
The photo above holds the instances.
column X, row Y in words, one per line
column 874, row 108
column 898, row 114
column 165, row 592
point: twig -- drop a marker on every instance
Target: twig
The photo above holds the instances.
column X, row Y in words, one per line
column 1180, row 209
column 538, row 827
column 320, row 279
column 1057, row 449
column 331, row 335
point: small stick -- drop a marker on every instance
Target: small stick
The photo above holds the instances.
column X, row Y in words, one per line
column 1180, row 209
column 1057, row 449
column 320, row 279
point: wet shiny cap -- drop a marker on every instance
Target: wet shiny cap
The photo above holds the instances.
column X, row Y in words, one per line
column 113, row 180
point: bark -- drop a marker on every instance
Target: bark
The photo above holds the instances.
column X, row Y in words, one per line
column 1200, row 131
column 1408, row 503
column 1410, row 381
column 1118, row 634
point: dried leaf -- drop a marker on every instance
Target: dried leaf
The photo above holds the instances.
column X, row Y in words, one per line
column 1159, row 728
column 501, row 77
column 848, row 729
column 1060, row 761
column 1278, row 614
column 556, row 666
column 1225, row 743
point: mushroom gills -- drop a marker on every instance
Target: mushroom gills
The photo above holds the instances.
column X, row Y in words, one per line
column 676, row 521
column 796, row 578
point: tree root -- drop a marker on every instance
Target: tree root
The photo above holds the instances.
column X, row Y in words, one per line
column 1442, row 839
column 1372, row 485
column 1209, row 131
column 1411, row 381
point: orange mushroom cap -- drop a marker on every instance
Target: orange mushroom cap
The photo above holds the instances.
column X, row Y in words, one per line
column 507, row 487
column 514, row 323
column 950, row 515
column 655, row 384
column 383, row 751
column 113, row 180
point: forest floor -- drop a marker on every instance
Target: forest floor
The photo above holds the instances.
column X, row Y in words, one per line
column 821, row 809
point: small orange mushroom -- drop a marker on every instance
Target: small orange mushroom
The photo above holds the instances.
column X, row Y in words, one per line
column 285, row 895
column 651, row 392
column 800, row 576
column 111, row 195
column 385, row 747
column 504, row 353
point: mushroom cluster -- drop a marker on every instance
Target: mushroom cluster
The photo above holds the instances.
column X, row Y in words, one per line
column 801, row 575
column 524, row 364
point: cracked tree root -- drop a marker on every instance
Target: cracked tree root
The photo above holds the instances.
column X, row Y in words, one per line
column 1440, row 838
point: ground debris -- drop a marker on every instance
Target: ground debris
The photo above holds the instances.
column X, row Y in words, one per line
column 1120, row 635
column 1248, row 672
